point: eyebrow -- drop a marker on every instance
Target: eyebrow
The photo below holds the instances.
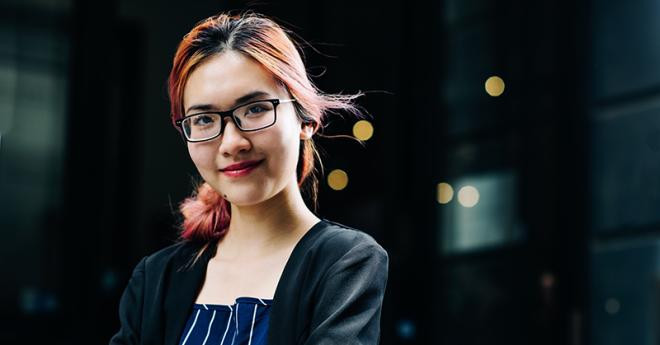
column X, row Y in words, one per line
column 248, row 97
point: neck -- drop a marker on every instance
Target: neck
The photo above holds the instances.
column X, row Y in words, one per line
column 256, row 230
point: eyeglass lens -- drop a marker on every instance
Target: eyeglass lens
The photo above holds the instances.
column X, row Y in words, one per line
column 251, row 116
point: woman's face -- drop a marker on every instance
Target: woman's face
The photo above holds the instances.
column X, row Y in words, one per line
column 217, row 85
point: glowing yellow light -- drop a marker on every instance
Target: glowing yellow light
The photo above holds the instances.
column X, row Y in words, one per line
column 337, row 179
column 468, row 196
column 495, row 86
column 445, row 193
column 363, row 130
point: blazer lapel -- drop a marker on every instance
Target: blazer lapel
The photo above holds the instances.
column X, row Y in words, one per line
column 183, row 285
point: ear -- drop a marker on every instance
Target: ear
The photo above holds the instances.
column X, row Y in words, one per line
column 307, row 130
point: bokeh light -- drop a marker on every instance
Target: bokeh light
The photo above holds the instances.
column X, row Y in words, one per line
column 468, row 196
column 337, row 179
column 363, row 130
column 612, row 306
column 445, row 193
column 494, row 86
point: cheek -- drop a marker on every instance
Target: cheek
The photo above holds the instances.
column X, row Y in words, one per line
column 201, row 155
column 288, row 141
column 291, row 151
column 282, row 150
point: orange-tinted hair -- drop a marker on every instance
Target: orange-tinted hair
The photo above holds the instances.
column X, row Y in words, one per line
column 206, row 214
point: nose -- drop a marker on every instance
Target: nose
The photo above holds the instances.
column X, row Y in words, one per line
column 233, row 140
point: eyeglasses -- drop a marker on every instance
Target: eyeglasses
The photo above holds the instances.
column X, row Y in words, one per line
column 248, row 117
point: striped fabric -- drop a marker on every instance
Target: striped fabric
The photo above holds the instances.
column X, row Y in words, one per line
column 242, row 323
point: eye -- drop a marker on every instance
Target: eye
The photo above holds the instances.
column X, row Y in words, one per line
column 203, row 120
column 256, row 109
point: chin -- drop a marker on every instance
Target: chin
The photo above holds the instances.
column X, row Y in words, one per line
column 243, row 201
column 245, row 196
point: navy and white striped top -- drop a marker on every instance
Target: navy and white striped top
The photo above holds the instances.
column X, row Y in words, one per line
column 243, row 323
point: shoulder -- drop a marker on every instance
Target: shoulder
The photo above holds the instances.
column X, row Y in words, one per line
column 337, row 240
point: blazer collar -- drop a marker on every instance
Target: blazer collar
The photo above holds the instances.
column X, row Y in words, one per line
column 184, row 285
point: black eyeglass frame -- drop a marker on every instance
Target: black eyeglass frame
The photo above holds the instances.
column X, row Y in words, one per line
column 230, row 113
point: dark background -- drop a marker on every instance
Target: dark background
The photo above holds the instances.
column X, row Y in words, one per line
column 563, row 246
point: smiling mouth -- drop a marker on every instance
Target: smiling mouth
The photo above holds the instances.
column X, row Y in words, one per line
column 241, row 169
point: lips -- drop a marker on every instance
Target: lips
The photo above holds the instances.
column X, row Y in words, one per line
column 241, row 165
column 241, row 168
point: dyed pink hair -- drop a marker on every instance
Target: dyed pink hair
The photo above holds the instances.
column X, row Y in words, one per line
column 206, row 214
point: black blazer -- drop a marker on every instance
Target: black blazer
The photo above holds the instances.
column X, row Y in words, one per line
column 330, row 292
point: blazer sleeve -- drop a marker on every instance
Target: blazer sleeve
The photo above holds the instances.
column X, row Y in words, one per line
column 130, row 308
column 349, row 300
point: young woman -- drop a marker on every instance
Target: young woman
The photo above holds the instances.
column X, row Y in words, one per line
column 254, row 264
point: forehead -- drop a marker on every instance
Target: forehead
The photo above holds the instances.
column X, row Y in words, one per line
column 223, row 78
